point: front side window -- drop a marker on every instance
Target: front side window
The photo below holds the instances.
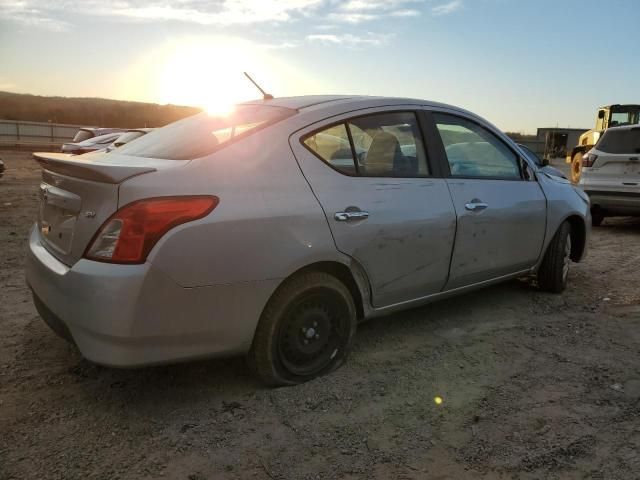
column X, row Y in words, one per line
column 384, row 145
column 202, row 134
column 473, row 151
column 625, row 141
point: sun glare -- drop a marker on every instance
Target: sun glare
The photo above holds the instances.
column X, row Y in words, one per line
column 208, row 74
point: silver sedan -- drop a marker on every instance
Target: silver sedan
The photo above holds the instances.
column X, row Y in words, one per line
column 274, row 230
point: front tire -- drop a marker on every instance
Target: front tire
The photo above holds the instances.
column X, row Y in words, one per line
column 305, row 331
column 576, row 167
column 554, row 270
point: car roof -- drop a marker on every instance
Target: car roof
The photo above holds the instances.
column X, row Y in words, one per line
column 318, row 102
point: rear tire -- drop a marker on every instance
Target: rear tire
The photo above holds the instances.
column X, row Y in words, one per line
column 576, row 167
column 554, row 270
column 305, row 331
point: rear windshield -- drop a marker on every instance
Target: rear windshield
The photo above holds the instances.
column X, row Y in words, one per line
column 620, row 141
column 82, row 135
column 203, row 134
column 127, row 137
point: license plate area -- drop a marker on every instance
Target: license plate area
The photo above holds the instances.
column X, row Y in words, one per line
column 57, row 217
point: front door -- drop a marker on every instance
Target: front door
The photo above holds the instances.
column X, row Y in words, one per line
column 501, row 213
column 371, row 175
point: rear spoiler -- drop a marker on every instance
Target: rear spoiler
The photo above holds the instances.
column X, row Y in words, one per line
column 89, row 169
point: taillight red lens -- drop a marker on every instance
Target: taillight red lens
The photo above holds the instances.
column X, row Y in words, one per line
column 130, row 234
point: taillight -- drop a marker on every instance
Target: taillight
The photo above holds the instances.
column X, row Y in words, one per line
column 129, row 234
column 587, row 160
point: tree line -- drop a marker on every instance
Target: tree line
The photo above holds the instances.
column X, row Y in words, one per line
column 98, row 112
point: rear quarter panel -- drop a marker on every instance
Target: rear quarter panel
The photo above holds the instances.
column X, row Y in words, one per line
column 267, row 225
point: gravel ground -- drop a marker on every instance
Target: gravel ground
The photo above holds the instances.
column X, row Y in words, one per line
column 533, row 385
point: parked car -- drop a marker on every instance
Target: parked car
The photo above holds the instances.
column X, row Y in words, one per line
column 611, row 174
column 237, row 234
column 1, row 168
column 543, row 164
column 86, row 133
column 127, row 137
column 91, row 145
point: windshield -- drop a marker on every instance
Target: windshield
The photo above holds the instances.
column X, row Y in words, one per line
column 82, row 135
column 203, row 134
column 531, row 155
column 629, row 117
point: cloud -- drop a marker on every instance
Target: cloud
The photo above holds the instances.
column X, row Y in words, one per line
column 447, row 8
column 350, row 40
column 381, row 5
column 405, row 13
column 31, row 14
column 53, row 15
column 357, row 11
column 48, row 14
column 326, row 16
column 351, row 17
column 220, row 12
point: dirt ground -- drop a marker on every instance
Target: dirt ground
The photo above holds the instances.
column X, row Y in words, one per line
column 533, row 385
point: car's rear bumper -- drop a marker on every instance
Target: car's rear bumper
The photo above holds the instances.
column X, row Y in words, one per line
column 622, row 203
column 133, row 315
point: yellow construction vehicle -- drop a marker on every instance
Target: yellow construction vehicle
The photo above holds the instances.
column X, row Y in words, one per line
column 609, row 116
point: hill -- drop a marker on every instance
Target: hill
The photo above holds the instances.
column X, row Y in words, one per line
column 89, row 111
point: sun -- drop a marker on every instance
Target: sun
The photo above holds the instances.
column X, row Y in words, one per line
column 208, row 74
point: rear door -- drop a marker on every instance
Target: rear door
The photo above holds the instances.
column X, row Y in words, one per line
column 382, row 202
column 500, row 207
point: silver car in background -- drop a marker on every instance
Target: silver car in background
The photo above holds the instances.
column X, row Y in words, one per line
column 611, row 174
column 273, row 231
column 92, row 144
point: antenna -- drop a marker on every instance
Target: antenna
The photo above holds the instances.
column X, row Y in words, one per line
column 265, row 95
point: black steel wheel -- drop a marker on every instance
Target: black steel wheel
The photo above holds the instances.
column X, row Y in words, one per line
column 305, row 331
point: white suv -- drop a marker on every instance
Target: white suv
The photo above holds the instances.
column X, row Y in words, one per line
column 611, row 174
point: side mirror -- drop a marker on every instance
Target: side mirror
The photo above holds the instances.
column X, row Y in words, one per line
column 545, row 162
column 600, row 113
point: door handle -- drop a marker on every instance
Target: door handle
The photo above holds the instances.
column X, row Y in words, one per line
column 634, row 159
column 475, row 206
column 345, row 216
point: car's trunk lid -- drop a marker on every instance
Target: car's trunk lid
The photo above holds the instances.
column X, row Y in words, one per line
column 77, row 195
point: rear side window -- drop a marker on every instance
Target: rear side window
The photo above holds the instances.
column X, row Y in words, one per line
column 473, row 151
column 378, row 145
column 332, row 145
column 620, row 141
column 203, row 134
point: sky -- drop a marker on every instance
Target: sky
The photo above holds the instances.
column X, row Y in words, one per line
column 521, row 64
